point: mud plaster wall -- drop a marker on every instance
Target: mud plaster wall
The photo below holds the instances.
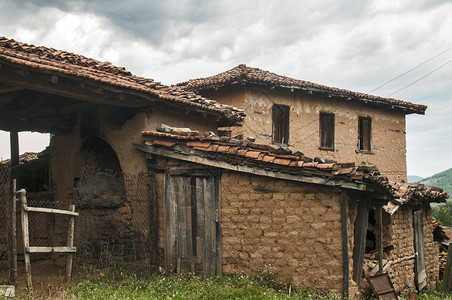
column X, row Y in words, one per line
column 388, row 139
column 123, row 227
column 294, row 229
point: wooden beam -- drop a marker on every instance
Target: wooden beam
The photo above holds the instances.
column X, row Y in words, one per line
column 380, row 239
column 14, row 141
column 68, row 86
column 194, row 156
column 12, row 236
column 345, row 257
column 11, row 89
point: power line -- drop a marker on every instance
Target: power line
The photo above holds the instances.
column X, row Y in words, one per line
column 409, row 71
column 421, row 77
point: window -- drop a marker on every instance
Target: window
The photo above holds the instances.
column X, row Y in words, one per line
column 280, row 116
column 364, row 125
column 326, row 131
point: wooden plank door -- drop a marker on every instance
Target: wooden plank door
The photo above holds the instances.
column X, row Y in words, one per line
column 420, row 273
column 192, row 225
column 359, row 248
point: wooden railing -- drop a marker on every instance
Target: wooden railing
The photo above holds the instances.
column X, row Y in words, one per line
column 69, row 248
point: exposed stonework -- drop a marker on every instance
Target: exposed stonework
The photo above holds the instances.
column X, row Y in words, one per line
column 292, row 228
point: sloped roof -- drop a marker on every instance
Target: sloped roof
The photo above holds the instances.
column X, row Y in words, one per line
column 282, row 160
column 52, row 60
column 243, row 74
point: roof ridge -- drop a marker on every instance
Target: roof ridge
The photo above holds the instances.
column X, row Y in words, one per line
column 244, row 74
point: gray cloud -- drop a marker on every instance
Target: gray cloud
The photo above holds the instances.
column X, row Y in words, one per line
column 355, row 45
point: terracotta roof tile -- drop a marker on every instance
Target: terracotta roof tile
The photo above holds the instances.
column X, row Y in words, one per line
column 401, row 192
column 49, row 59
column 243, row 74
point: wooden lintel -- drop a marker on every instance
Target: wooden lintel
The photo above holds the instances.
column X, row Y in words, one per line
column 192, row 156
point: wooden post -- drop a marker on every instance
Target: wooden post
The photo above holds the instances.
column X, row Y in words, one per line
column 345, row 257
column 26, row 237
column 70, row 243
column 380, row 239
column 12, row 236
column 448, row 272
column 14, row 143
column 359, row 248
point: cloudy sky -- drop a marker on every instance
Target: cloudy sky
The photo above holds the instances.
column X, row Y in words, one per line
column 356, row 45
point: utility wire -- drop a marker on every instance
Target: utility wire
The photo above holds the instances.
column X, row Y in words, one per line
column 380, row 86
column 443, row 65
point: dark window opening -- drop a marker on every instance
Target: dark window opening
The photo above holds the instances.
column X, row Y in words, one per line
column 280, row 116
column 364, row 131
column 326, row 131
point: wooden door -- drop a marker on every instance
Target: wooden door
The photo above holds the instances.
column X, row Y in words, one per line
column 193, row 240
column 420, row 273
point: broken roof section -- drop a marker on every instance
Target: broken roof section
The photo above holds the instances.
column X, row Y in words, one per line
column 267, row 160
column 128, row 86
column 243, row 74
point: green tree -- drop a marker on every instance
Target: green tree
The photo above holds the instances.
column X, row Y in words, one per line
column 443, row 213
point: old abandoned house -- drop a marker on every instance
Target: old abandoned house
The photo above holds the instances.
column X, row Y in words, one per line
column 95, row 112
column 322, row 121
column 190, row 201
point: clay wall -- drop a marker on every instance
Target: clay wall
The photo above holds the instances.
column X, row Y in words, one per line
column 290, row 228
column 388, row 140
column 123, row 228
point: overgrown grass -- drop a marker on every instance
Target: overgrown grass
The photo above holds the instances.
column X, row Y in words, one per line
column 180, row 287
column 176, row 286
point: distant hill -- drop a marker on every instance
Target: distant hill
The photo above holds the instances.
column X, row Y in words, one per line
column 442, row 180
column 414, row 178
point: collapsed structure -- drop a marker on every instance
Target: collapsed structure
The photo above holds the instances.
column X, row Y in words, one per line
column 238, row 198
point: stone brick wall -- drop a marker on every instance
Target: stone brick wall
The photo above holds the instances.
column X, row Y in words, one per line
column 401, row 236
column 293, row 229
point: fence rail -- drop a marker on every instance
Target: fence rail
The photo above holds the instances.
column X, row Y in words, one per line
column 115, row 231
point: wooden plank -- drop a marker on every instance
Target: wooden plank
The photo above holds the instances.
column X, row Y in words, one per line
column 420, row 273
column 447, row 279
column 12, row 236
column 345, row 258
column 380, row 239
column 188, row 154
column 170, row 230
column 219, row 255
column 14, row 145
column 360, row 240
column 210, row 226
column 26, row 238
column 51, row 249
column 201, row 229
column 51, row 211
column 70, row 244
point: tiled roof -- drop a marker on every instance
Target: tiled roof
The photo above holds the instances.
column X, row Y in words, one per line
column 23, row 158
column 269, row 156
column 53, row 60
column 243, row 74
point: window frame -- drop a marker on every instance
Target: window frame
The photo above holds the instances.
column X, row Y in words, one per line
column 323, row 134
column 280, row 124
column 362, row 133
